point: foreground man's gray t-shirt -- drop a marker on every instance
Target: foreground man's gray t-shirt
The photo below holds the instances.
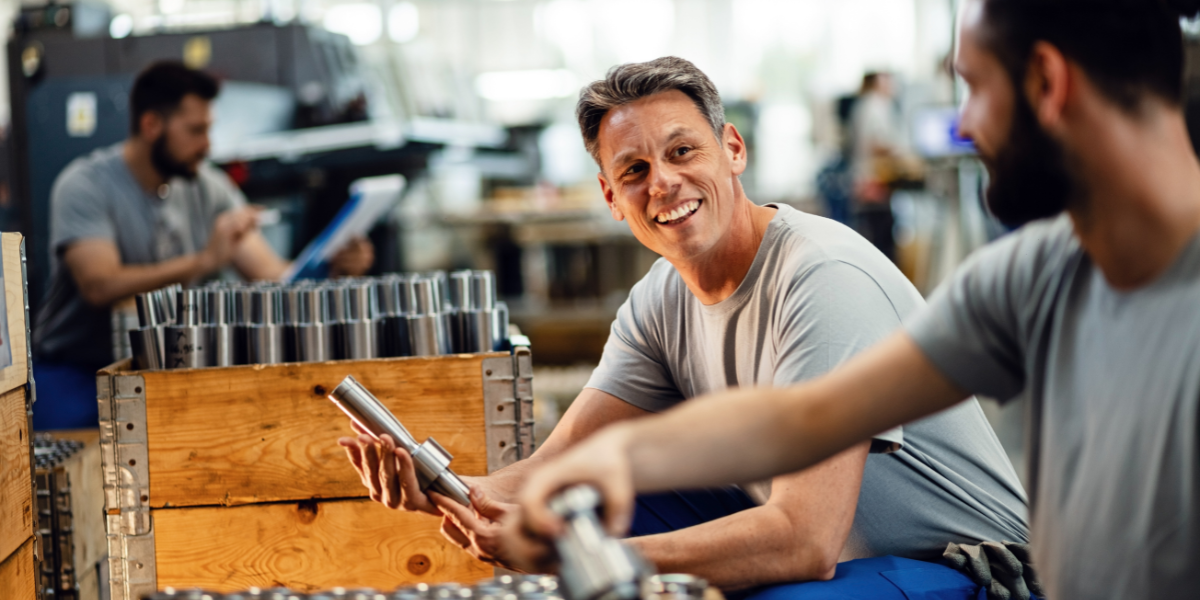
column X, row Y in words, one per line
column 816, row 294
column 97, row 197
column 1113, row 382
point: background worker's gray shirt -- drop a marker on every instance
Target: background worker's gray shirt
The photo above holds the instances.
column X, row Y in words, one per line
column 1113, row 381
column 97, row 197
column 816, row 294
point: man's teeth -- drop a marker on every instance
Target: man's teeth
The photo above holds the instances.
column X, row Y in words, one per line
column 678, row 213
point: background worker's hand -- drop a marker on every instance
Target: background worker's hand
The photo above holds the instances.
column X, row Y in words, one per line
column 601, row 460
column 478, row 529
column 354, row 259
column 227, row 232
column 387, row 472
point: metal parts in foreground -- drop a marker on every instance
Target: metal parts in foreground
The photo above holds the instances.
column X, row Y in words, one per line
column 431, row 460
column 594, row 565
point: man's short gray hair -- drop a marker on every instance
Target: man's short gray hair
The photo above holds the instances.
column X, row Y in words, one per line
column 633, row 81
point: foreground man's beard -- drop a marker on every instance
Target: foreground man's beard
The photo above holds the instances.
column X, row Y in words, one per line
column 1029, row 176
column 165, row 164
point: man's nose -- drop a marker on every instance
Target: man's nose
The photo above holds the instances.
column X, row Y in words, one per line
column 664, row 179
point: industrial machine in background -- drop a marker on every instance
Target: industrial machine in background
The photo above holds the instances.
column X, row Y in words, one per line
column 294, row 125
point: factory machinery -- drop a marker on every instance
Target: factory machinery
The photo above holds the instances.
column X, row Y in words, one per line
column 224, row 324
column 593, row 566
column 55, row 526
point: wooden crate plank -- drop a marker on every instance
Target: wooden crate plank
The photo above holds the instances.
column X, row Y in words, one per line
column 305, row 546
column 17, row 578
column 16, row 374
column 16, row 479
column 242, row 435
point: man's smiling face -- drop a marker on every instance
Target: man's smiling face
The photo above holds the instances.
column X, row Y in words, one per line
column 667, row 174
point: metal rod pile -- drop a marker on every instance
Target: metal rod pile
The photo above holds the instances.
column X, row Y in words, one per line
column 223, row 324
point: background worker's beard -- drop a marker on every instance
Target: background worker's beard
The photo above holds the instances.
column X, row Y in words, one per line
column 1030, row 179
column 167, row 165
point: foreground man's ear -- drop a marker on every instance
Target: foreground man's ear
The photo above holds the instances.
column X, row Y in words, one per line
column 1048, row 82
column 608, row 197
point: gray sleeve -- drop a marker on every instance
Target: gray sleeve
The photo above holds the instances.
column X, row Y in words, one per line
column 971, row 328
column 78, row 210
column 833, row 311
column 632, row 367
column 223, row 193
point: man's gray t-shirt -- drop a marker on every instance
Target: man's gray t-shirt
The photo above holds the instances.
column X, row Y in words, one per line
column 816, row 294
column 1113, row 383
column 97, row 197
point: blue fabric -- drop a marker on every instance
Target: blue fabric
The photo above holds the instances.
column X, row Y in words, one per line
column 881, row 578
column 66, row 397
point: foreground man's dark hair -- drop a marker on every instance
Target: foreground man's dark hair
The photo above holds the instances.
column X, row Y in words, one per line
column 1129, row 48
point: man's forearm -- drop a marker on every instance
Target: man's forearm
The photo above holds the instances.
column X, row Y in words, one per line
column 753, row 434
column 753, row 547
column 504, row 484
column 129, row 280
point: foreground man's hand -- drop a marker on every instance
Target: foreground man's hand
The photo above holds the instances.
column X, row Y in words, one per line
column 601, row 460
column 479, row 530
column 387, row 472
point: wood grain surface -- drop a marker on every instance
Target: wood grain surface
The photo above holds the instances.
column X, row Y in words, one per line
column 265, row 433
column 16, row 478
column 17, row 577
column 16, row 374
column 305, row 546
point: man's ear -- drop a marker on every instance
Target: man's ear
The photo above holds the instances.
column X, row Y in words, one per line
column 608, row 197
column 1048, row 83
column 735, row 148
column 150, row 125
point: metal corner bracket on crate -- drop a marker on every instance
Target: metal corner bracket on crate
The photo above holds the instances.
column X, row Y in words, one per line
column 508, row 398
column 125, row 464
column 30, row 398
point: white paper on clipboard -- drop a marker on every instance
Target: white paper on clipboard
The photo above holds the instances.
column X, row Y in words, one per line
column 370, row 200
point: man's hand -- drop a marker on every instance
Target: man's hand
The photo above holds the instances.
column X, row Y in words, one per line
column 479, row 530
column 387, row 472
column 227, row 232
column 601, row 460
column 354, row 259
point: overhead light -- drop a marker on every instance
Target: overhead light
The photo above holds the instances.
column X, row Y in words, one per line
column 537, row 84
column 120, row 26
column 403, row 22
column 361, row 22
column 168, row 7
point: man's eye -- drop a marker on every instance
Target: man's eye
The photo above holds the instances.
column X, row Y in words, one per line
column 682, row 150
column 635, row 169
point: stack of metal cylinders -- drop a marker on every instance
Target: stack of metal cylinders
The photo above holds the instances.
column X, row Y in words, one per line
column 505, row 587
column 223, row 323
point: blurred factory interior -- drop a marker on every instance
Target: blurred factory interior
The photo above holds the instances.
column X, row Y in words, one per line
column 472, row 101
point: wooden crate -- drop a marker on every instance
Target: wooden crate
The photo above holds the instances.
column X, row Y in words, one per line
column 19, row 550
column 227, row 478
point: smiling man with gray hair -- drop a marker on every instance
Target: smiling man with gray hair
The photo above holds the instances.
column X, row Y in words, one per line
column 744, row 295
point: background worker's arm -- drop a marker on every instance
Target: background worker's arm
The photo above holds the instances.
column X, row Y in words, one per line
column 744, row 435
column 102, row 279
column 255, row 260
column 797, row 535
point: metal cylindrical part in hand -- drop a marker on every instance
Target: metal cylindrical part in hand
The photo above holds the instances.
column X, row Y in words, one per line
column 429, row 335
column 187, row 345
column 358, row 340
column 432, row 462
column 595, row 566
column 146, row 344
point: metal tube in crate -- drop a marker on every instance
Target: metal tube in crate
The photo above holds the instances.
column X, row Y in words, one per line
column 188, row 338
column 431, row 460
column 303, row 330
column 358, row 331
column 146, row 344
column 392, row 301
column 218, row 317
column 264, row 333
column 241, row 324
column 478, row 330
column 500, row 326
column 426, row 324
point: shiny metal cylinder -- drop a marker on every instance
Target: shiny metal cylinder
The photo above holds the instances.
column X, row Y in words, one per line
column 220, row 346
column 594, row 565
column 305, row 342
column 358, row 340
column 428, row 335
column 500, row 326
column 264, row 344
column 146, row 344
column 458, row 290
column 426, row 296
column 674, row 586
column 482, row 293
column 150, row 309
column 190, row 306
column 187, row 345
column 477, row 330
column 393, row 337
column 432, row 462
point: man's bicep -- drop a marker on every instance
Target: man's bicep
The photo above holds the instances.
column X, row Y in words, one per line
column 90, row 259
column 591, row 411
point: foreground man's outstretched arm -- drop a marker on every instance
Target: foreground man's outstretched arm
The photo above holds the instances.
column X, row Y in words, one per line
column 745, row 435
